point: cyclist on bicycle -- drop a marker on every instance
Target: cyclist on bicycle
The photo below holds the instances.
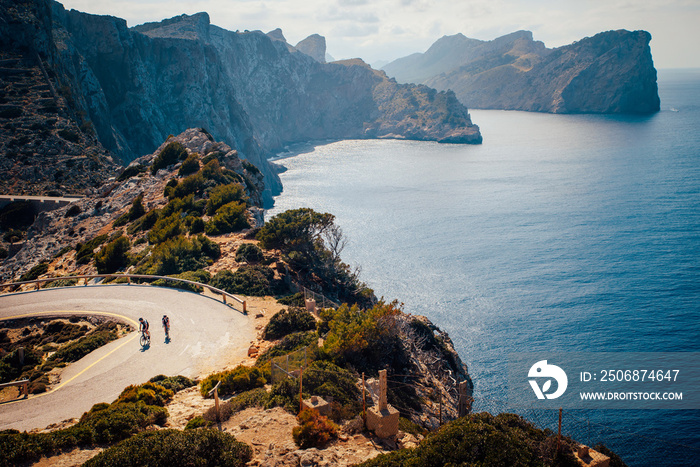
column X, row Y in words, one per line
column 143, row 327
column 166, row 325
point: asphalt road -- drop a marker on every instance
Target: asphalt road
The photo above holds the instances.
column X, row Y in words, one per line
column 206, row 335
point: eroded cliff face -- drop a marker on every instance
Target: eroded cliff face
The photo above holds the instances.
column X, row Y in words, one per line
column 611, row 72
column 257, row 93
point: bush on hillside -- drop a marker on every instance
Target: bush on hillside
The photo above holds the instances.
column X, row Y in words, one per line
column 247, row 280
column 113, row 256
column 131, row 171
column 173, row 448
column 35, row 272
column 199, row 275
column 482, row 439
column 190, row 166
column 230, row 217
column 173, row 383
column 224, row 194
column 241, row 378
column 289, row 344
column 314, row 430
column 144, row 223
column 249, row 253
column 135, row 211
column 190, row 185
column 252, row 398
column 85, row 252
column 288, row 321
column 166, row 228
column 180, row 254
column 170, row 154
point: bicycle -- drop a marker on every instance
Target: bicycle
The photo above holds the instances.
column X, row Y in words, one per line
column 167, row 331
column 145, row 338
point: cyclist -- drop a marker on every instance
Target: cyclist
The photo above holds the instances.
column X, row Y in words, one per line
column 143, row 328
column 166, row 325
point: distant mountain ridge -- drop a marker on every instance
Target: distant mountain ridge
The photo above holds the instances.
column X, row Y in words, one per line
column 611, row 72
column 135, row 86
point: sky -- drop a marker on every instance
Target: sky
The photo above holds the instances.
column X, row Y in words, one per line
column 384, row 30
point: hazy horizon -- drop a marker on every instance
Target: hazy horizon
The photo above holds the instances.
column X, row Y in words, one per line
column 384, row 30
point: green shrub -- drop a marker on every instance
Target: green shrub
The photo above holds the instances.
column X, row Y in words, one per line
column 296, row 299
column 174, row 383
column 61, row 283
column 113, row 256
column 84, row 253
column 249, row 252
column 195, row 224
column 288, row 321
column 241, row 378
column 288, row 344
column 363, row 339
column 170, row 154
column 144, row 223
column 213, row 171
column 191, row 165
column 315, row 430
column 284, row 394
column 17, row 215
column 229, row 218
column 131, row 171
column 190, row 185
column 166, row 228
column 135, row 211
column 198, row 422
column 180, row 205
column 181, row 254
column 149, row 393
column 224, row 194
column 83, row 346
column 173, row 448
column 35, row 272
column 481, row 439
column 330, row 381
column 73, row 211
column 247, row 280
column 253, row 398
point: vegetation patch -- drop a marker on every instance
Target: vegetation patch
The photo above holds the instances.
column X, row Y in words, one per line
column 247, row 280
column 35, row 272
column 482, row 439
column 288, row 321
column 171, row 154
column 102, row 424
column 229, row 218
column 85, row 252
column 173, row 448
column 113, row 256
column 179, row 255
column 249, row 253
column 241, row 378
column 314, row 430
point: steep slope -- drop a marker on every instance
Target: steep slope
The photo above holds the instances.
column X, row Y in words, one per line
column 136, row 86
column 45, row 146
column 611, row 72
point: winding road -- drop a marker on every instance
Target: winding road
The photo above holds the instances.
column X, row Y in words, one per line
column 206, row 335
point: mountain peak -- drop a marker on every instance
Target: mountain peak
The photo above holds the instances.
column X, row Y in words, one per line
column 313, row 46
column 192, row 27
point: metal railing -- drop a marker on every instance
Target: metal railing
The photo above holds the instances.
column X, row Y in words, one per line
column 24, row 383
column 128, row 277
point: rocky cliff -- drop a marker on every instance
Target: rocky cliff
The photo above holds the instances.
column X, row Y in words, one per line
column 611, row 72
column 46, row 147
column 135, row 86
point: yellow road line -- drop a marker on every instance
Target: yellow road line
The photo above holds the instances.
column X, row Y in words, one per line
column 73, row 312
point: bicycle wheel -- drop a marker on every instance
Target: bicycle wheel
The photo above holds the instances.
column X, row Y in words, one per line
column 143, row 340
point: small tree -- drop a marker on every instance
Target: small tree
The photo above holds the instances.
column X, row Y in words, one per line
column 113, row 256
column 315, row 430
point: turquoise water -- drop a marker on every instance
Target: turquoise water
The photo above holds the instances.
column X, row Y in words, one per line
column 559, row 233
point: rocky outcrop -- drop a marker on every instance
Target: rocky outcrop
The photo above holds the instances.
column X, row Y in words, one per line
column 611, row 72
column 55, row 230
column 254, row 91
column 314, row 46
column 45, row 146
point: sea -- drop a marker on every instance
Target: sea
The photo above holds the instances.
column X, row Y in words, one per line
column 560, row 233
